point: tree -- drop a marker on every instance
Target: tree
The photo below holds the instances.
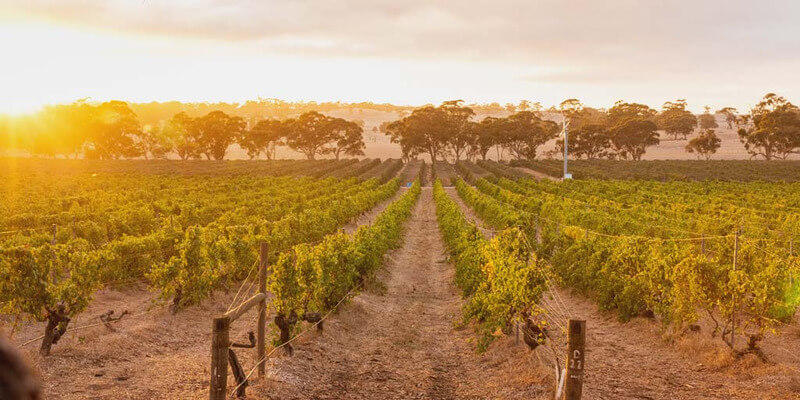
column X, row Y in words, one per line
column 60, row 129
column 730, row 114
column 156, row 142
column 457, row 127
column 421, row 132
column 309, row 134
column 486, row 134
column 181, row 131
column 115, row 131
column 589, row 140
column 632, row 137
column 570, row 107
column 705, row 144
column 632, row 129
column 707, row 120
column 524, row 132
column 347, row 137
column 775, row 128
column 623, row 112
column 216, row 131
column 263, row 138
column 676, row 120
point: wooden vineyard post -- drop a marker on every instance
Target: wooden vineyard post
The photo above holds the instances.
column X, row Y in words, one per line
column 575, row 359
column 219, row 357
column 220, row 338
column 262, row 311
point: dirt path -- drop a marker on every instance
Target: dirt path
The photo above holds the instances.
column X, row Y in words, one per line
column 469, row 213
column 632, row 361
column 400, row 342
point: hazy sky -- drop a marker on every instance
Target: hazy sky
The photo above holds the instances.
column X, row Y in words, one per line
column 406, row 52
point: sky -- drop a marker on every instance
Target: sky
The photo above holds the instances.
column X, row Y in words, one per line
column 411, row 52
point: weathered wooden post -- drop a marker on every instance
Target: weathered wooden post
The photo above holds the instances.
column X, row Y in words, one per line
column 219, row 357
column 261, row 346
column 576, row 344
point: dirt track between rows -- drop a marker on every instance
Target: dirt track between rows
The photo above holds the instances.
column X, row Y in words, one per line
column 400, row 341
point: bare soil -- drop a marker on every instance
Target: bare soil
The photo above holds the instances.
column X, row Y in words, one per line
column 401, row 341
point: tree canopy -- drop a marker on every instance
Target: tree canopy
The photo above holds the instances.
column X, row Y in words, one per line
column 676, row 120
column 316, row 134
column 774, row 128
column 705, row 144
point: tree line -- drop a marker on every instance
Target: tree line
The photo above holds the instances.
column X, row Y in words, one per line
column 770, row 130
column 625, row 131
column 112, row 130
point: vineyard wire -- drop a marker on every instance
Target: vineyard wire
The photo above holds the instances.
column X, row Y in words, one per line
column 293, row 339
column 250, row 271
column 92, row 325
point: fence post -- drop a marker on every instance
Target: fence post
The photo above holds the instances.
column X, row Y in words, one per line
column 219, row 357
column 575, row 359
column 262, row 311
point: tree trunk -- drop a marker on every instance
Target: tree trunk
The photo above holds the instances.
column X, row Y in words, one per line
column 49, row 334
column 56, row 327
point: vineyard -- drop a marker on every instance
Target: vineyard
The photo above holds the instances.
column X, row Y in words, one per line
column 670, row 170
column 678, row 251
column 158, row 248
column 114, row 228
